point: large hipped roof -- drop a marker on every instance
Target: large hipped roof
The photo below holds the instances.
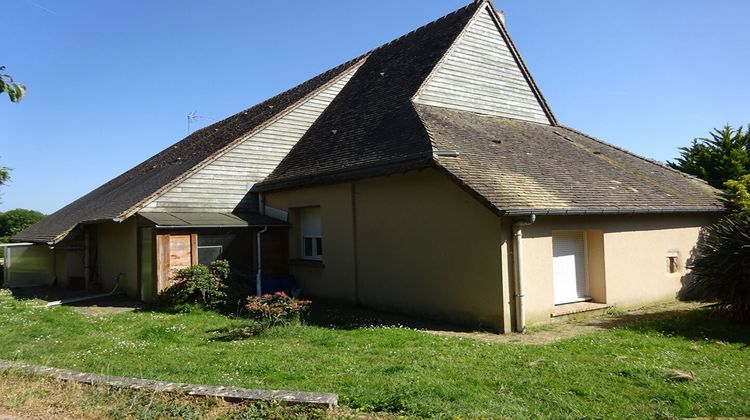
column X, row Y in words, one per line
column 374, row 127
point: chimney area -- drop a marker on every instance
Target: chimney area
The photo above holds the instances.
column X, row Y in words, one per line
column 501, row 16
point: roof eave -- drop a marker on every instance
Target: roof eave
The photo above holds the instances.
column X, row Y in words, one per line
column 610, row 211
column 419, row 161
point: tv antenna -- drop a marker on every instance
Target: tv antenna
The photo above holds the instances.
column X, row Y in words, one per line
column 191, row 117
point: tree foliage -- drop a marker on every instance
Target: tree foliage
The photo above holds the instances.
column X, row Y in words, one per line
column 738, row 192
column 720, row 267
column 722, row 157
column 14, row 221
column 15, row 91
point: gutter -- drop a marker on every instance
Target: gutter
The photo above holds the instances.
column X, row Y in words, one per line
column 588, row 211
column 518, row 271
column 11, row 245
column 412, row 162
column 203, row 226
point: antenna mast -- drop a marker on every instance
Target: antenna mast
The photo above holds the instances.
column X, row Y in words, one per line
column 192, row 116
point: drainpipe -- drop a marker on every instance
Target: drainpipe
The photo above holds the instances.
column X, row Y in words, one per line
column 262, row 203
column 86, row 257
column 518, row 266
column 258, row 272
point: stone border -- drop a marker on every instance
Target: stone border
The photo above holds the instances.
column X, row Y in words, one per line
column 227, row 393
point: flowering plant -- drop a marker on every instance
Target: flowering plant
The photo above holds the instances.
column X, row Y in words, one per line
column 276, row 308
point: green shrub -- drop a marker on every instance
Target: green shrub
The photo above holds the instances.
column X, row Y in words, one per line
column 199, row 284
column 275, row 309
column 720, row 267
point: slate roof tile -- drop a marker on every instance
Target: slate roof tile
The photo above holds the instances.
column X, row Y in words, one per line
column 524, row 167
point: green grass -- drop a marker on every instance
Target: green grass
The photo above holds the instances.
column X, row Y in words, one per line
column 622, row 372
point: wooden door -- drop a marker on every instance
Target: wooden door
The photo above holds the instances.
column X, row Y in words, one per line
column 174, row 252
column 180, row 252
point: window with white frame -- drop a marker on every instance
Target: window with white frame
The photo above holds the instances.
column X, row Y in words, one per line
column 312, row 238
column 673, row 262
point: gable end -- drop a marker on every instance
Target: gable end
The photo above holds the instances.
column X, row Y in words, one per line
column 222, row 184
column 483, row 73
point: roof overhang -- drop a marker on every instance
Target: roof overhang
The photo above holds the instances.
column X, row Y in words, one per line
column 14, row 244
column 165, row 220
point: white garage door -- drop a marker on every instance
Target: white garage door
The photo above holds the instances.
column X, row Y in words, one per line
column 569, row 267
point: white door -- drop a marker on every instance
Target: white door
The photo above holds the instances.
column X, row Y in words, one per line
column 569, row 267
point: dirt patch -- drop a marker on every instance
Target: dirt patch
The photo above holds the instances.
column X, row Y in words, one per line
column 578, row 324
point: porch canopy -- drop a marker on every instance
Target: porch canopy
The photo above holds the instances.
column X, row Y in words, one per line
column 210, row 220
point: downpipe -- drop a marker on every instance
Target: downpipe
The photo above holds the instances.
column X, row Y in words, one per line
column 258, row 288
column 518, row 271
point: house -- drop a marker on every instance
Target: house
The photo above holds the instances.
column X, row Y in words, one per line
column 428, row 176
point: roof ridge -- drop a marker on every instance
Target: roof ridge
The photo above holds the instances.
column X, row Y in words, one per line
column 522, row 65
column 426, row 127
column 449, row 50
column 423, row 27
column 649, row 160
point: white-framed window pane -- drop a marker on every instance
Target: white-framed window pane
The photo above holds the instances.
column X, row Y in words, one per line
column 312, row 238
column 319, row 247
column 308, row 247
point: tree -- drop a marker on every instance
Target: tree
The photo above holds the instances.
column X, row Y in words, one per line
column 4, row 175
column 720, row 267
column 723, row 157
column 15, row 91
column 14, row 221
column 738, row 193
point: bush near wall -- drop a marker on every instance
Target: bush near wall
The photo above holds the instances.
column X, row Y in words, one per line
column 200, row 284
column 720, row 267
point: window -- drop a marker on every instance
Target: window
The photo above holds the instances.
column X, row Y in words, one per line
column 312, row 239
column 673, row 265
column 209, row 254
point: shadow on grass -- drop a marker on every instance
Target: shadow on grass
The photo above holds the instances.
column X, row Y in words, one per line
column 703, row 323
column 344, row 317
column 225, row 335
column 117, row 302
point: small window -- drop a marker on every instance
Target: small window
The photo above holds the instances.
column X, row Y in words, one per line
column 312, row 239
column 209, row 254
column 673, row 265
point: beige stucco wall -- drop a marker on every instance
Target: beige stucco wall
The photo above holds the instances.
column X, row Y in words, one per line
column 423, row 246
column 426, row 246
column 117, row 246
column 334, row 278
column 628, row 252
column 61, row 267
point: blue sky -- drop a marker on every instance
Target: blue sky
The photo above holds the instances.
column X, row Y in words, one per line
column 111, row 83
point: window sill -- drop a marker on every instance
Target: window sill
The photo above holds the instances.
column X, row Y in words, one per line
column 307, row 263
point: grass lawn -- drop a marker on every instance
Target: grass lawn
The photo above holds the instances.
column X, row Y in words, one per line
column 621, row 372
